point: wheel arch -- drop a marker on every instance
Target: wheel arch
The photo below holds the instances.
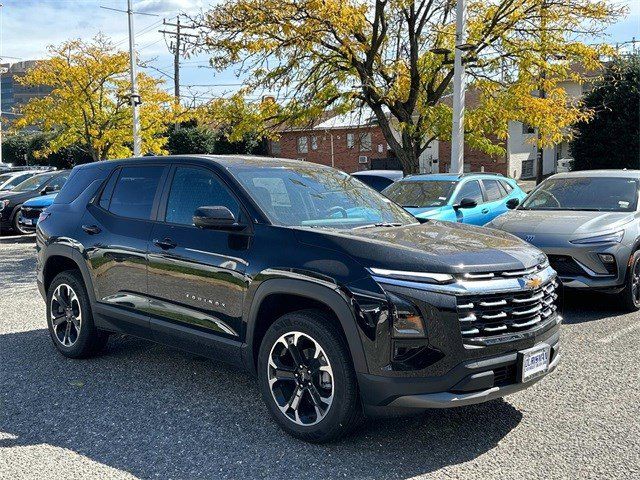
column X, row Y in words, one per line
column 60, row 258
column 300, row 295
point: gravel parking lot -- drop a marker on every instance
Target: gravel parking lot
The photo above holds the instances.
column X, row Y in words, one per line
column 146, row 411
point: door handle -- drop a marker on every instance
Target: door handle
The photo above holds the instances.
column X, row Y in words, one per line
column 91, row 229
column 485, row 210
column 165, row 244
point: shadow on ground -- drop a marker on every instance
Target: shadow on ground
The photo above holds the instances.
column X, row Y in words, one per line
column 579, row 307
column 154, row 411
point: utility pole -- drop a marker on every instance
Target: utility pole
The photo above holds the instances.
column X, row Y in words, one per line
column 135, row 97
column 176, row 47
column 457, row 127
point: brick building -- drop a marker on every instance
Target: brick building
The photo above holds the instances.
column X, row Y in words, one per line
column 349, row 142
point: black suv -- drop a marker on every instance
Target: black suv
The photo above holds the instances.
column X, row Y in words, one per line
column 339, row 301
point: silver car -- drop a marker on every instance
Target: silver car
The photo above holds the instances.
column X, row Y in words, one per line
column 588, row 225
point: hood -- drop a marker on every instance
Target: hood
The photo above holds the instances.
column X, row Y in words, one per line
column 439, row 247
column 422, row 211
column 561, row 222
column 41, row 201
column 9, row 194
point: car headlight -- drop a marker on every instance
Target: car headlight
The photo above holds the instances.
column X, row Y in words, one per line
column 615, row 237
column 3, row 204
column 412, row 276
column 407, row 321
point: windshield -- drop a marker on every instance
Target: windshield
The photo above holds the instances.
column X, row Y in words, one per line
column 597, row 194
column 416, row 194
column 34, row 183
column 318, row 197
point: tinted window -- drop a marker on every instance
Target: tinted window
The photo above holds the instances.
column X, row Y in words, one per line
column 411, row 193
column 470, row 190
column 494, row 190
column 377, row 183
column 105, row 198
column 597, row 194
column 134, row 191
column 192, row 188
column 76, row 184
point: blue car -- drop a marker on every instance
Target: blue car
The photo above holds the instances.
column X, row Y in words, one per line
column 31, row 210
column 473, row 198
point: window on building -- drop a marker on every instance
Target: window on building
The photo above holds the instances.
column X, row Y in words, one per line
column 303, row 145
column 527, row 129
column 365, row 142
column 314, row 143
column 351, row 140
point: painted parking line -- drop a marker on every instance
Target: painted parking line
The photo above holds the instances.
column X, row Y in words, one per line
column 620, row 333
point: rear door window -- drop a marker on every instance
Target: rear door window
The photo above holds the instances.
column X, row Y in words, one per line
column 135, row 191
column 493, row 190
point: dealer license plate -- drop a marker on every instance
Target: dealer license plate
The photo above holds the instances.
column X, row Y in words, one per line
column 535, row 362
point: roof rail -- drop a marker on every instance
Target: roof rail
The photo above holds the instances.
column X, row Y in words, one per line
column 479, row 173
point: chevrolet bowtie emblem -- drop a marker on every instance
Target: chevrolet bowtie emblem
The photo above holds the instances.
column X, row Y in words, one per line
column 533, row 282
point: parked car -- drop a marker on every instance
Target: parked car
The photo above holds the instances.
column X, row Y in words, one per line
column 9, row 180
column 270, row 265
column 588, row 224
column 31, row 210
column 11, row 201
column 378, row 179
column 474, row 198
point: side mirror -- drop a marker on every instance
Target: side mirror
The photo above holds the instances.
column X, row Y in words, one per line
column 466, row 203
column 47, row 190
column 216, row 218
column 513, row 203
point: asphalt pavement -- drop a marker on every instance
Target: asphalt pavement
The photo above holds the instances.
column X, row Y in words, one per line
column 147, row 411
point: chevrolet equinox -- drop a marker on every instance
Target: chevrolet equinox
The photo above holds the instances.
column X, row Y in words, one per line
column 341, row 303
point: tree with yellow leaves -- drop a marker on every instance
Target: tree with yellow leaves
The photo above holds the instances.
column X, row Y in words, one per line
column 89, row 103
column 395, row 57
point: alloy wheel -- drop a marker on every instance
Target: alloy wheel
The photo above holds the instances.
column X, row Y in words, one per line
column 66, row 315
column 17, row 225
column 300, row 378
column 635, row 281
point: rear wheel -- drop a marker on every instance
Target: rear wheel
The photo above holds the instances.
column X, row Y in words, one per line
column 307, row 378
column 69, row 317
column 631, row 294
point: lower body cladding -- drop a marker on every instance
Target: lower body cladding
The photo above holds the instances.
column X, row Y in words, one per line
column 477, row 346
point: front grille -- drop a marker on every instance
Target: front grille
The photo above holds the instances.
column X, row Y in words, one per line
column 498, row 315
column 566, row 265
column 30, row 212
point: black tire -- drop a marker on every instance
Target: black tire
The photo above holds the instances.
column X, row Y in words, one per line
column 89, row 341
column 630, row 296
column 15, row 224
column 344, row 411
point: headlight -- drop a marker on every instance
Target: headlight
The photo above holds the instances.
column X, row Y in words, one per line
column 407, row 321
column 615, row 237
column 412, row 276
column 3, row 204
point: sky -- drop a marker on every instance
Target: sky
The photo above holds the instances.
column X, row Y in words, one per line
column 29, row 26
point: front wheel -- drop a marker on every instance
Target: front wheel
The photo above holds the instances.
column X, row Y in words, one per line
column 631, row 294
column 307, row 378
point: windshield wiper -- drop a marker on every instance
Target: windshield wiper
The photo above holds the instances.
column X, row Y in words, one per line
column 382, row 224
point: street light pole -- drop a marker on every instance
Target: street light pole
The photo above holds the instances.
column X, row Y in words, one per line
column 457, row 127
column 135, row 97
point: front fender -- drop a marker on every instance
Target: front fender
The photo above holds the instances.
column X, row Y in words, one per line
column 315, row 289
